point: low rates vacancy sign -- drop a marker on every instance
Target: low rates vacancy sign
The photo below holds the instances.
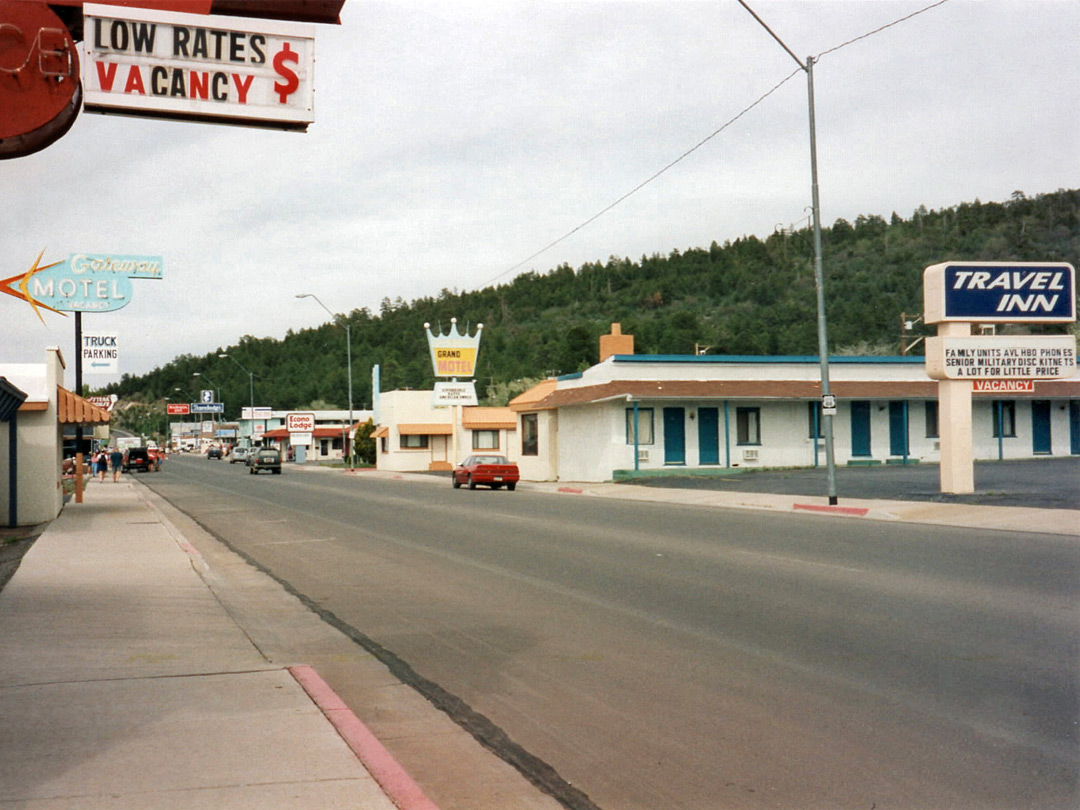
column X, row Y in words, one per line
column 1039, row 357
column 213, row 68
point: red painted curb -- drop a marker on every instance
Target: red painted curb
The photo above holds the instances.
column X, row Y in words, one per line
column 380, row 763
column 857, row 511
column 572, row 490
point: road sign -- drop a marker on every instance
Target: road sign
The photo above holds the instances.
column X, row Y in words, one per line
column 206, row 396
column 828, row 405
column 99, row 353
column 207, row 407
column 1000, row 292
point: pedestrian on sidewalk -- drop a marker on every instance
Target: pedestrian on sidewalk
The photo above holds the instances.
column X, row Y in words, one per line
column 100, row 464
column 116, row 459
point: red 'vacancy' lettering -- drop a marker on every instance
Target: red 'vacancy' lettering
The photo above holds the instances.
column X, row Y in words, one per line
column 242, row 86
column 106, row 73
column 199, row 85
column 134, row 81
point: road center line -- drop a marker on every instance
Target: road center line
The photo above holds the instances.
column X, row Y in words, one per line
column 797, row 561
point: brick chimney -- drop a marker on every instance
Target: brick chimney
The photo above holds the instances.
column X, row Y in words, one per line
column 615, row 343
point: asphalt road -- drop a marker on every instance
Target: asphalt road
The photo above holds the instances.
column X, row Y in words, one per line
column 663, row 657
column 1050, row 483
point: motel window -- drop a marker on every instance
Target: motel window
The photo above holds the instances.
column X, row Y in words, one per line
column 814, row 420
column 414, row 442
column 530, row 435
column 324, row 447
column 748, row 425
column 645, row 425
column 931, row 421
column 485, row 440
column 1003, row 416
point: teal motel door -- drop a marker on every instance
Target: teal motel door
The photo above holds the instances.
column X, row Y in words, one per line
column 1074, row 427
column 860, row 427
column 708, row 435
column 898, row 429
column 1040, row 426
column 674, row 435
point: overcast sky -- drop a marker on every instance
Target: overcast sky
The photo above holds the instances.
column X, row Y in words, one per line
column 454, row 140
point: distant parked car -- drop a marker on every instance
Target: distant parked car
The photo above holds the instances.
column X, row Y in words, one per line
column 138, row 459
column 490, row 470
column 239, row 454
column 265, row 458
column 213, row 452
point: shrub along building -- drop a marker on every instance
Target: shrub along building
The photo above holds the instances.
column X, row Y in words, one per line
column 700, row 412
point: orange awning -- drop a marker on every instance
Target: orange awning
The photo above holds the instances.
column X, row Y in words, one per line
column 421, row 429
column 72, row 409
column 488, row 419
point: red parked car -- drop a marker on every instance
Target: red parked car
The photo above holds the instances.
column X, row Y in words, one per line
column 491, row 471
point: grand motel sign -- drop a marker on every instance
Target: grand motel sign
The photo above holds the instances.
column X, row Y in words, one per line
column 959, row 294
column 453, row 355
column 178, row 60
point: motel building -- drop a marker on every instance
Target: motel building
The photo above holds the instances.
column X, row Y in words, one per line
column 415, row 436
column 713, row 412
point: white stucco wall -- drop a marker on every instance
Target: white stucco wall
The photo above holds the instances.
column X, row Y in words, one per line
column 543, row 466
column 592, row 438
column 39, row 447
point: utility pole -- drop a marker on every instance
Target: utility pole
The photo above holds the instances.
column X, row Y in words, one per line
column 819, row 274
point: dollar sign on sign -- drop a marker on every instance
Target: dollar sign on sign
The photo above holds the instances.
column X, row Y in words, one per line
column 291, row 82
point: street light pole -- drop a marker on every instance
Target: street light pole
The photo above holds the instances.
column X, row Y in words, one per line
column 251, row 384
column 348, row 355
column 214, row 385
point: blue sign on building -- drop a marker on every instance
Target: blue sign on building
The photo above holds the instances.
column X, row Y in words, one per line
column 1000, row 292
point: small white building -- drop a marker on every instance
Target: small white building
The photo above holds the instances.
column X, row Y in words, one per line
column 329, row 441
column 414, row 435
column 31, row 441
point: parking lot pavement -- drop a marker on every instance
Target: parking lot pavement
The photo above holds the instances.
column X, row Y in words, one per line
column 1051, row 483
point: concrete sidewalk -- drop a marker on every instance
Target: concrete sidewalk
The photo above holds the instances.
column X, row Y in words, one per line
column 124, row 683
column 976, row 516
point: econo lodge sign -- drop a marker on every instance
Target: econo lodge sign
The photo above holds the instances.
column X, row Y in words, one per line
column 300, row 422
column 198, row 67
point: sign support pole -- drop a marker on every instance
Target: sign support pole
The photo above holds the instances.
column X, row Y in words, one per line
column 954, row 419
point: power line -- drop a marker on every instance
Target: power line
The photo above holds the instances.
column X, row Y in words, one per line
column 882, row 28
column 705, row 140
column 644, row 183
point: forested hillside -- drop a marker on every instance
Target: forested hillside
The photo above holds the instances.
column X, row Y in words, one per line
column 750, row 296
